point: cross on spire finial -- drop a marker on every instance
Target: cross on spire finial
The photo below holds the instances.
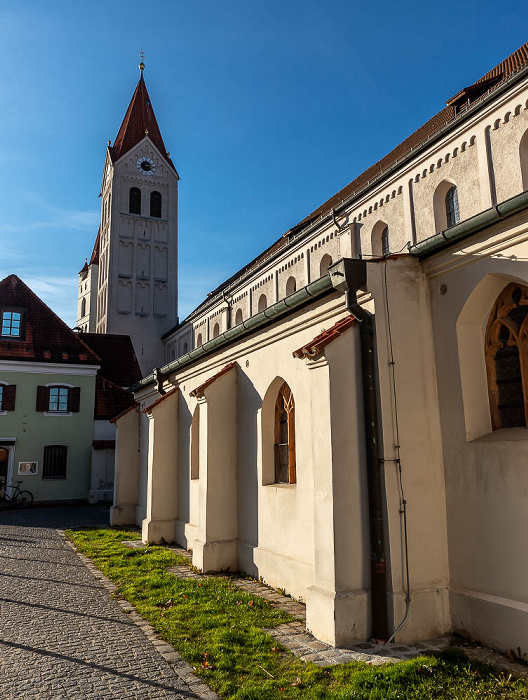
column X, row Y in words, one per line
column 141, row 61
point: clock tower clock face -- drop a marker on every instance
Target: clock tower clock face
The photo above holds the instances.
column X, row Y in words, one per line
column 146, row 166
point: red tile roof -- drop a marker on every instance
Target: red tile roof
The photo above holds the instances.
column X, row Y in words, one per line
column 139, row 119
column 94, row 258
column 44, row 338
column 110, row 399
column 118, row 359
column 314, row 347
column 200, row 389
column 155, row 403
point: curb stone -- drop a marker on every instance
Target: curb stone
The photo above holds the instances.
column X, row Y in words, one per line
column 171, row 656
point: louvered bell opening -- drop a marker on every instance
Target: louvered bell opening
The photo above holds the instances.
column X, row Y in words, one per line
column 155, row 205
column 134, row 201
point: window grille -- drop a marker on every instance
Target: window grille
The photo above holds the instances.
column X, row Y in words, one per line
column 451, row 204
column 11, row 323
column 155, row 204
column 134, row 201
column 54, row 463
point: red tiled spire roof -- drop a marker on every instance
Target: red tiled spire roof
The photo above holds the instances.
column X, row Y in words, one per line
column 139, row 119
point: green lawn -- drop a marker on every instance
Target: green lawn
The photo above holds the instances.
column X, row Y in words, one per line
column 218, row 630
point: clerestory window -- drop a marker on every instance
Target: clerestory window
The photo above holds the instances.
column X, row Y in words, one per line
column 451, row 205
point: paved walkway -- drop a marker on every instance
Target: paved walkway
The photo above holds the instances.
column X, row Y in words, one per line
column 62, row 637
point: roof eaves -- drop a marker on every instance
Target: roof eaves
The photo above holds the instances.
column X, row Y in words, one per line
column 315, row 346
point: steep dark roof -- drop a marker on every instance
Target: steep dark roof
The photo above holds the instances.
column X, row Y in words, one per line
column 452, row 111
column 44, row 337
column 118, row 359
column 139, row 119
column 110, row 399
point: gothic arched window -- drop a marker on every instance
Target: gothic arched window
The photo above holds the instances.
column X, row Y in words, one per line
column 155, row 205
column 134, row 200
column 507, row 358
column 451, row 206
column 285, row 467
column 83, row 307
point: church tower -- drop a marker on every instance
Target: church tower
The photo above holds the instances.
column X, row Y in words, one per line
column 129, row 286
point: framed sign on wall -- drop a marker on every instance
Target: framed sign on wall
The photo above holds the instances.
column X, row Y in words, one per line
column 27, row 468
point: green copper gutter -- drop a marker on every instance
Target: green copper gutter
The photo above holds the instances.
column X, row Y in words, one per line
column 466, row 228
column 282, row 307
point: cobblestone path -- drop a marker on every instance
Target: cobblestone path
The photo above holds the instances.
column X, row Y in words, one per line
column 62, row 637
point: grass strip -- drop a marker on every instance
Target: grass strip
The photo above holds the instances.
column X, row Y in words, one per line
column 217, row 629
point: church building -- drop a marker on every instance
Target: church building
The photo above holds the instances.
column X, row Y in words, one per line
column 346, row 416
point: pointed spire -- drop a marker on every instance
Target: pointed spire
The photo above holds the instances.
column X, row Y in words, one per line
column 139, row 121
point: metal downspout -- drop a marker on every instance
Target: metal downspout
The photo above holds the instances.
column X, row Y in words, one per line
column 348, row 276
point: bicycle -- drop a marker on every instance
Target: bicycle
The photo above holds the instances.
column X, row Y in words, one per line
column 21, row 499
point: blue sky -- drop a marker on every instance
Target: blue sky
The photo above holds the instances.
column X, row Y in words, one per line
column 268, row 108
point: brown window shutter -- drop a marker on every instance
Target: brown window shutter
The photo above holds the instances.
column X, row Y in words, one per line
column 75, row 399
column 9, row 397
column 42, row 399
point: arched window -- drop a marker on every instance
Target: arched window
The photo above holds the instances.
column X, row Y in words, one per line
column 238, row 317
column 134, row 200
column 155, row 204
column 195, row 444
column 83, row 307
column 262, row 303
column 507, row 358
column 291, row 286
column 325, row 263
column 451, row 206
column 199, row 340
column 385, row 247
column 285, row 469
column 185, row 348
column 216, row 330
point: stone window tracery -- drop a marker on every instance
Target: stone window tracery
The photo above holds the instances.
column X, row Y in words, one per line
column 285, row 465
column 506, row 351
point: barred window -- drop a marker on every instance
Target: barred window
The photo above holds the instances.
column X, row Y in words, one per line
column 134, row 200
column 54, row 463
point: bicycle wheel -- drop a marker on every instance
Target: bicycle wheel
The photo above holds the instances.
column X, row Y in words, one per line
column 23, row 499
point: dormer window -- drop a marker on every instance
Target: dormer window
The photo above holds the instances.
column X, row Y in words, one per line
column 11, row 324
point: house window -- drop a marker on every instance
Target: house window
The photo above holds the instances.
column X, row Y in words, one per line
column 58, row 399
column 155, row 204
column 11, row 321
column 134, row 200
column 7, row 397
column 54, row 463
column 451, row 206
column 507, row 358
column 385, row 249
column 285, row 469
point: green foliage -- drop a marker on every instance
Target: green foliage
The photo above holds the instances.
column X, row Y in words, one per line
column 217, row 629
